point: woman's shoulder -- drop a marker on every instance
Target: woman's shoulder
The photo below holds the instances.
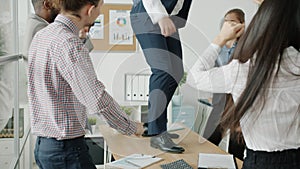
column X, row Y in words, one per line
column 292, row 51
column 292, row 55
column 291, row 60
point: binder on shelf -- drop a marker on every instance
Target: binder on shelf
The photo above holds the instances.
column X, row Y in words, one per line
column 141, row 86
column 128, row 87
column 135, row 87
column 146, row 83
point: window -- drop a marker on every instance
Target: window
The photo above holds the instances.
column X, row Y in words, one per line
column 14, row 116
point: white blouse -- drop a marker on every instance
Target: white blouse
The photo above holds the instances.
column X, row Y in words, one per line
column 157, row 11
column 277, row 126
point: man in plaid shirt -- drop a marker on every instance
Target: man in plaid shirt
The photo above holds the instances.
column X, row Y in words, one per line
column 63, row 86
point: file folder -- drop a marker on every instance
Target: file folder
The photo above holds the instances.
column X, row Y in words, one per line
column 141, row 87
column 128, row 87
column 135, row 87
column 147, row 78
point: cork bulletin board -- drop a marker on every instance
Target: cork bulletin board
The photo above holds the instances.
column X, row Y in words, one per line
column 112, row 29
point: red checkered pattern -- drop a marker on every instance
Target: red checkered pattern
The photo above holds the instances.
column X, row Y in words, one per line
column 63, row 86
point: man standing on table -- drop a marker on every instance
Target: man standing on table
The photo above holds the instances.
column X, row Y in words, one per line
column 155, row 24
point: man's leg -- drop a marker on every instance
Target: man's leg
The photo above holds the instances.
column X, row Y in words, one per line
column 167, row 70
column 162, row 81
column 162, row 87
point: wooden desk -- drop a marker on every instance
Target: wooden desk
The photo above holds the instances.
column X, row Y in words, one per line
column 120, row 146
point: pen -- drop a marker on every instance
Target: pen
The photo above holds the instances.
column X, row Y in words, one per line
column 205, row 102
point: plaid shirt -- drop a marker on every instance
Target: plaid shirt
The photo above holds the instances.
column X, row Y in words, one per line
column 63, row 85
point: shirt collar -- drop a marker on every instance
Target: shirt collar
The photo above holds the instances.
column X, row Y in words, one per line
column 68, row 23
column 34, row 16
column 232, row 47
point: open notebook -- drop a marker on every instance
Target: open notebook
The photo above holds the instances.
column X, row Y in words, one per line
column 134, row 161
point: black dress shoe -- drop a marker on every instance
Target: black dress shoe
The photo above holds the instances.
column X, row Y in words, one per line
column 165, row 143
column 171, row 135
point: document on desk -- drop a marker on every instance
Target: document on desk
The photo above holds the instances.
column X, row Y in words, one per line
column 224, row 161
column 135, row 161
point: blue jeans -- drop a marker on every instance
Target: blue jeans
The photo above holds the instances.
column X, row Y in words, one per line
column 62, row 154
column 287, row 159
column 164, row 56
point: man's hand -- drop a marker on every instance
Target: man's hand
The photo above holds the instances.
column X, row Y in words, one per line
column 167, row 26
column 139, row 129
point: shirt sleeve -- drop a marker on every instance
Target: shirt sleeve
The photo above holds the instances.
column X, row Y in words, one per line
column 155, row 10
column 204, row 76
column 177, row 7
column 77, row 69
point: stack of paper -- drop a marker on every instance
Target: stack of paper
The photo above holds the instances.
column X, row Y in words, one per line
column 134, row 161
column 216, row 161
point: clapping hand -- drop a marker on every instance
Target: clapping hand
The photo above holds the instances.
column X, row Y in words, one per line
column 230, row 30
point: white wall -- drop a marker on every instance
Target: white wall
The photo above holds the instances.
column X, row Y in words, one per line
column 204, row 20
column 203, row 25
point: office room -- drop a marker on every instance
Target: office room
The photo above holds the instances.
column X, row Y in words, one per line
column 96, row 84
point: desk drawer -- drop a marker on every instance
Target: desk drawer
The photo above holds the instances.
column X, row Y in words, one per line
column 5, row 161
column 6, row 147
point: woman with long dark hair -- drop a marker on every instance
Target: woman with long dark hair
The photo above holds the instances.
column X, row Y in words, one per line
column 264, row 80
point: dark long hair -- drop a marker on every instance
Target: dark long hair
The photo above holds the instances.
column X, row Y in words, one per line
column 275, row 26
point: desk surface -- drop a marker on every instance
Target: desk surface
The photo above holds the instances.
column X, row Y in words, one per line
column 120, row 145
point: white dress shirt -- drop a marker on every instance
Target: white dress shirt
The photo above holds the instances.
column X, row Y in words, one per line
column 274, row 127
column 157, row 11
